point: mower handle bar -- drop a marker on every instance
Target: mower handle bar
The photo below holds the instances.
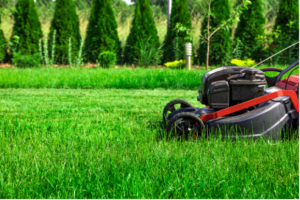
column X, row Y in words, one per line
column 286, row 70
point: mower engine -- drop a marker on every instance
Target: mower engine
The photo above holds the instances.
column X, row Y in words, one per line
column 228, row 86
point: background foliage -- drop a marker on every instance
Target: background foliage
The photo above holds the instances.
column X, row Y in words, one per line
column 173, row 41
column 218, row 53
column 288, row 11
column 142, row 30
column 27, row 28
column 287, row 25
column 249, row 29
column 124, row 15
column 102, row 32
column 66, row 24
column 2, row 44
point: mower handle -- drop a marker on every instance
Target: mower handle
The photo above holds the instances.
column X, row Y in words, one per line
column 272, row 81
column 286, row 70
column 272, row 70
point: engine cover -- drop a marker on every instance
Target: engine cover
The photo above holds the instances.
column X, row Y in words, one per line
column 227, row 86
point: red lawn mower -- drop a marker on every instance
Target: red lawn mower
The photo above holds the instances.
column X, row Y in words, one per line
column 238, row 105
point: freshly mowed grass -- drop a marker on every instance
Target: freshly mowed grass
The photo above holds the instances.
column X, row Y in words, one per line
column 121, row 78
column 108, row 143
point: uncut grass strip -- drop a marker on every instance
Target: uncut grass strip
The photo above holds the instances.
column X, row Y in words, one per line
column 139, row 78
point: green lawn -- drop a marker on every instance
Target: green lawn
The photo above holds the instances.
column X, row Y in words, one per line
column 108, row 143
column 123, row 78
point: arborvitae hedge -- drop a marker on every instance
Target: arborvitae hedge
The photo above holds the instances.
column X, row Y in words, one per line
column 102, row 32
column 27, row 27
column 142, row 28
column 250, row 27
column 66, row 24
column 179, row 14
column 221, row 44
column 2, row 44
column 288, row 11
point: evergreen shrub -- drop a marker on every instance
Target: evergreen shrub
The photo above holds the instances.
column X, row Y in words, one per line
column 2, row 44
column 27, row 27
column 288, row 12
column 250, row 29
column 26, row 61
column 179, row 14
column 142, row 29
column 286, row 31
column 221, row 43
column 107, row 59
column 66, row 25
column 102, row 32
column 147, row 53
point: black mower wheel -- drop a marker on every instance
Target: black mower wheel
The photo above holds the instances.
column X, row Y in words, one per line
column 170, row 107
column 185, row 126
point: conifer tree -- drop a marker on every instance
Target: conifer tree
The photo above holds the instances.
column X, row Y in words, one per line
column 221, row 44
column 288, row 12
column 287, row 22
column 179, row 14
column 2, row 44
column 102, row 32
column 27, row 27
column 250, row 27
column 142, row 29
column 65, row 24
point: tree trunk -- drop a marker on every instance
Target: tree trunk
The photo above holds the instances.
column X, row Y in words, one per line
column 208, row 37
column 207, row 53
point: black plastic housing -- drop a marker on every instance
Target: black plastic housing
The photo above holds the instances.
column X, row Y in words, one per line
column 218, row 95
column 243, row 84
column 247, row 86
column 219, row 74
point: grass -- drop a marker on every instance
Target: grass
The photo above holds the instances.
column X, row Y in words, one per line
column 108, row 143
column 100, row 78
column 121, row 78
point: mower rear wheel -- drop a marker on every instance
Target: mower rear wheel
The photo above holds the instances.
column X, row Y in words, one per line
column 185, row 126
column 170, row 107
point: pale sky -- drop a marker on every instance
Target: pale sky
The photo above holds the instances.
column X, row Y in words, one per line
column 128, row 1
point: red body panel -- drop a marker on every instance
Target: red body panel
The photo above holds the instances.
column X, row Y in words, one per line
column 253, row 102
column 292, row 84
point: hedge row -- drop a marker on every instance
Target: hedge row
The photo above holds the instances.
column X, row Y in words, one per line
column 102, row 31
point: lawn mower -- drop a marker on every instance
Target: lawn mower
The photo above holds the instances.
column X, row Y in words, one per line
column 238, row 105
